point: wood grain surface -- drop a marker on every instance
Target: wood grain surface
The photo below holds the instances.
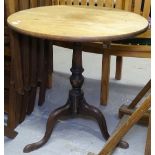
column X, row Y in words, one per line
column 72, row 23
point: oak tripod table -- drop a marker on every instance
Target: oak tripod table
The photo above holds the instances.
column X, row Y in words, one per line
column 77, row 25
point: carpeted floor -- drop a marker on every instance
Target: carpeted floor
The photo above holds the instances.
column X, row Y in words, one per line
column 80, row 136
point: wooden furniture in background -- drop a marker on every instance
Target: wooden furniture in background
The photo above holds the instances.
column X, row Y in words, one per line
column 65, row 25
column 142, row 7
column 10, row 108
column 127, row 121
column 128, row 109
column 20, row 98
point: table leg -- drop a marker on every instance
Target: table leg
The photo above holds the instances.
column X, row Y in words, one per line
column 54, row 116
column 75, row 105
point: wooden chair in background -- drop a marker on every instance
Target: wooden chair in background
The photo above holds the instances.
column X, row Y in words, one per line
column 142, row 7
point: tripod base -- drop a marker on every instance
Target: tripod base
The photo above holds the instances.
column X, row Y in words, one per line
column 76, row 105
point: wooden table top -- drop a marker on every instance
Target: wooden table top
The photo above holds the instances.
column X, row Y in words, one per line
column 71, row 23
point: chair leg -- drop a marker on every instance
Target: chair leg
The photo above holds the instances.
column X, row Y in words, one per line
column 105, row 79
column 119, row 61
column 125, row 126
column 10, row 133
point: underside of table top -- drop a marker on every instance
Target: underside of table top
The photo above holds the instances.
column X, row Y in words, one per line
column 72, row 23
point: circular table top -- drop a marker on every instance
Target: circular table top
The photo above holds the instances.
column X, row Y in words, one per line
column 71, row 23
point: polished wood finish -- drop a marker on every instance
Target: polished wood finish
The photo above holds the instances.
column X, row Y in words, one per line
column 65, row 24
